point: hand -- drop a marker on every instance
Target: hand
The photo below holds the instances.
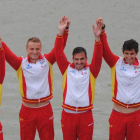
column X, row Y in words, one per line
column 62, row 26
column 97, row 31
column 99, row 21
column 68, row 21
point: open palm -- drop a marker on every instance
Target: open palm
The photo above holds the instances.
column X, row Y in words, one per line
column 97, row 31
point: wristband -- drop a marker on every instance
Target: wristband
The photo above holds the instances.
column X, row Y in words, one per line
column 103, row 27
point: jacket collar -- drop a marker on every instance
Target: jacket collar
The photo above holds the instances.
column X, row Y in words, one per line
column 136, row 63
column 40, row 57
column 73, row 66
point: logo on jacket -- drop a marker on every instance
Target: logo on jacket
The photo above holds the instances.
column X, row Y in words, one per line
column 72, row 71
column 83, row 73
column 41, row 61
column 135, row 68
column 28, row 66
column 123, row 69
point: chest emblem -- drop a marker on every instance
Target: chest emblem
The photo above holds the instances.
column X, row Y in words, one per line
column 28, row 66
column 83, row 73
column 42, row 61
column 72, row 71
column 123, row 68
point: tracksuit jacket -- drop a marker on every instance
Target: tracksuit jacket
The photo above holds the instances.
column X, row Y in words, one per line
column 125, row 78
column 78, row 85
column 35, row 80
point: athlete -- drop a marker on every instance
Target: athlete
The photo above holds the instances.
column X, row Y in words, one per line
column 2, row 75
column 124, row 122
column 78, row 86
column 36, row 86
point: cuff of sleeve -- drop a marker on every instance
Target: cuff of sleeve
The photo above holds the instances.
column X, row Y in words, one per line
column 1, row 48
column 66, row 32
column 103, row 32
column 58, row 36
column 97, row 43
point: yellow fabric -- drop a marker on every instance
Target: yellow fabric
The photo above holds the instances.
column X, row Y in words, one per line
column 1, row 49
column 113, row 69
column 64, row 80
column 51, row 76
column 0, row 93
column 92, row 81
column 19, row 74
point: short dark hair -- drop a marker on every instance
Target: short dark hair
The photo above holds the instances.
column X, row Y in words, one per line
column 130, row 45
column 79, row 50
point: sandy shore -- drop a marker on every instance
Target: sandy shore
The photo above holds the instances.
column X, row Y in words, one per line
column 20, row 20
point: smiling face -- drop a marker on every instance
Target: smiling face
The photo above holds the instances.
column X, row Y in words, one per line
column 34, row 50
column 130, row 56
column 79, row 60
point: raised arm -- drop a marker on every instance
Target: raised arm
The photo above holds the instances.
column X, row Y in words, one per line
column 11, row 58
column 109, row 57
column 2, row 67
column 51, row 56
column 59, row 52
column 98, row 52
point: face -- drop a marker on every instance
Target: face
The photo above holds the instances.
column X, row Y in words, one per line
column 130, row 56
column 34, row 50
column 79, row 60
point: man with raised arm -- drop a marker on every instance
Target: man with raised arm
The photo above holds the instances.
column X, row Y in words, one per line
column 124, row 122
column 36, row 88
column 78, row 86
column 2, row 75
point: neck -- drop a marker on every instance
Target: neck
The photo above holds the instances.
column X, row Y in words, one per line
column 33, row 61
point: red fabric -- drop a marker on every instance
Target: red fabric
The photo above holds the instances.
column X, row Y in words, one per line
column 90, row 92
column 60, row 55
column 77, row 126
column 11, row 58
column 124, row 126
column 96, row 59
column 51, row 56
column 36, row 118
column 109, row 57
column 1, row 132
column 116, row 86
column 2, row 65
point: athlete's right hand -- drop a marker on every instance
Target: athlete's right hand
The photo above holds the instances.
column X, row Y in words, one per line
column 62, row 25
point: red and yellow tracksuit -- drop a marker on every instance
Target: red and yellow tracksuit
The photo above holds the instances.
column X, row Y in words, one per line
column 125, row 80
column 36, row 85
column 2, row 75
column 78, row 93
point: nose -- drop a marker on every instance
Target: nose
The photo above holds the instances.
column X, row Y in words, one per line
column 79, row 61
column 129, row 56
column 34, row 51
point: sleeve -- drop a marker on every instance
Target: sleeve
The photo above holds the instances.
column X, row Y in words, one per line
column 11, row 58
column 2, row 70
column 60, row 55
column 96, row 59
column 109, row 57
column 2, row 65
column 51, row 56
